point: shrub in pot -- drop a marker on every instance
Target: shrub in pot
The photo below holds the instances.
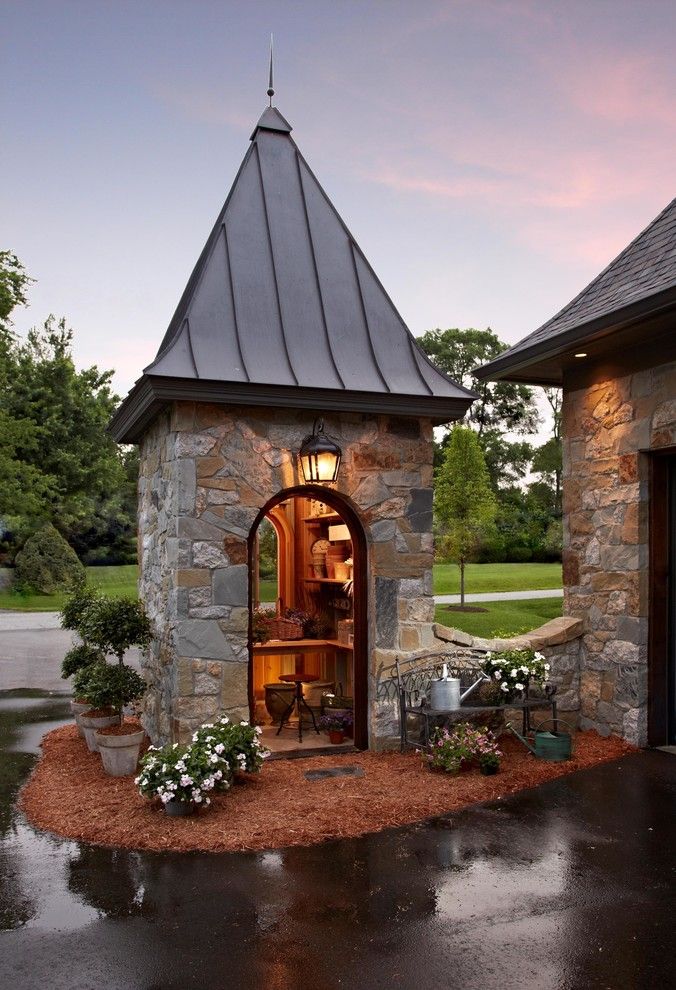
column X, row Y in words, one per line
column 79, row 658
column 82, row 654
column 113, row 626
column 109, row 687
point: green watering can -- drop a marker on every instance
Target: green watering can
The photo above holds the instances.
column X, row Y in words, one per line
column 552, row 746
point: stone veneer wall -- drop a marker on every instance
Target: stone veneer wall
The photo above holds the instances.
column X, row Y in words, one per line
column 558, row 640
column 206, row 471
column 605, row 490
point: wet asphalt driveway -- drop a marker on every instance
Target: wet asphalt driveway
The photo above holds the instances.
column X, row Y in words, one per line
column 571, row 886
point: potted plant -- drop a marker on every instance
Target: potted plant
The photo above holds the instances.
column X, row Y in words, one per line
column 113, row 626
column 78, row 658
column 462, row 747
column 235, row 745
column 513, row 671
column 109, row 688
column 334, row 723
column 182, row 777
column 82, row 654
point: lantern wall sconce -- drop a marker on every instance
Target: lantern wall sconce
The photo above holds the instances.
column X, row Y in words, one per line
column 319, row 456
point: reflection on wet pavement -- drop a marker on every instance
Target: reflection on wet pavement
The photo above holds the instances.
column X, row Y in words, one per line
column 570, row 886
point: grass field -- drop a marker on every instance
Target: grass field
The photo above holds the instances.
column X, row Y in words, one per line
column 115, row 581
column 480, row 578
column 502, row 618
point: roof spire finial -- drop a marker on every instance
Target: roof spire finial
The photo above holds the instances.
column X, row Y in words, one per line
column 271, row 91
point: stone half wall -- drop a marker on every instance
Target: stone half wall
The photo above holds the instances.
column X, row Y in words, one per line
column 606, row 426
column 558, row 640
column 206, row 471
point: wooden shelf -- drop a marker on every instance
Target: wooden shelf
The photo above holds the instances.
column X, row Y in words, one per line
column 275, row 647
column 327, row 517
column 326, row 580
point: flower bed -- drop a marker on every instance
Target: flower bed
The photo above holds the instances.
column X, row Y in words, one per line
column 69, row 793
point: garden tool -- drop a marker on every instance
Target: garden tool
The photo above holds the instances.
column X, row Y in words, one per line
column 551, row 746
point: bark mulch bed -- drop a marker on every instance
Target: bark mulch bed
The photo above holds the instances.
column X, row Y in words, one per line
column 70, row 794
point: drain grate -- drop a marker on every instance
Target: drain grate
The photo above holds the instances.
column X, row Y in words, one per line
column 334, row 772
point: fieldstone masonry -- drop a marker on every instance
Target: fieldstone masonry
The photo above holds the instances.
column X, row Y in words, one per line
column 606, row 427
column 206, row 471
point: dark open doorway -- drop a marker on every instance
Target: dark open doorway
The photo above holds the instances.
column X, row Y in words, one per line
column 319, row 559
column 662, row 643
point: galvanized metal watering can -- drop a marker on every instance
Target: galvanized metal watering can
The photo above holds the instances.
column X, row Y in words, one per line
column 445, row 693
column 551, row 746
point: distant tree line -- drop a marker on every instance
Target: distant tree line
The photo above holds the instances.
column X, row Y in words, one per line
column 521, row 521
column 58, row 465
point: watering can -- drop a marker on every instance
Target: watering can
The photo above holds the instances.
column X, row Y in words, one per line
column 445, row 693
column 551, row 746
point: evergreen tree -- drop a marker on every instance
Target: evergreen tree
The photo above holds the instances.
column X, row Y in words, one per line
column 465, row 505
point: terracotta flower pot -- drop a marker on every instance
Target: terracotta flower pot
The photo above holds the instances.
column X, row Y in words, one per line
column 119, row 754
column 336, row 736
column 90, row 726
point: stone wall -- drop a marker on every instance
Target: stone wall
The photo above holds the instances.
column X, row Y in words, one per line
column 606, row 426
column 206, row 471
column 558, row 640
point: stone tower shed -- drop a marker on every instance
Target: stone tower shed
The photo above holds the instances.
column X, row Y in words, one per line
column 282, row 321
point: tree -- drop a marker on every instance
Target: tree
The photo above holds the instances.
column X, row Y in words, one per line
column 501, row 406
column 47, row 564
column 548, row 463
column 14, row 281
column 464, row 501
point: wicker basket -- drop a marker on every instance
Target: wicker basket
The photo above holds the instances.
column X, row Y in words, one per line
column 279, row 628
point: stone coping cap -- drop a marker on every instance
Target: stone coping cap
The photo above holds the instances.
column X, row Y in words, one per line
column 552, row 633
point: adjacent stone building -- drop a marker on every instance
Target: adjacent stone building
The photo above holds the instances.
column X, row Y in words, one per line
column 613, row 350
column 282, row 321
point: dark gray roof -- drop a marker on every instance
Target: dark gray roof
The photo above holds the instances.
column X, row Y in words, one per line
column 283, row 300
column 643, row 275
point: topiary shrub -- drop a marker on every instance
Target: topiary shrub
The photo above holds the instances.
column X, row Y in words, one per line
column 46, row 563
column 111, row 686
column 79, row 657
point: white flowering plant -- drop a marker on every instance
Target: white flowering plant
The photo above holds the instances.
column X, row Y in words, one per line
column 180, row 773
column 237, row 745
column 514, row 671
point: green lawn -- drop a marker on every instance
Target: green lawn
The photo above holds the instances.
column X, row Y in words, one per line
column 268, row 591
column 480, row 578
column 502, row 618
column 115, row 581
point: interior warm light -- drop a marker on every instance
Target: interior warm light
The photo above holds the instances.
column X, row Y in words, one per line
column 581, row 354
column 319, row 456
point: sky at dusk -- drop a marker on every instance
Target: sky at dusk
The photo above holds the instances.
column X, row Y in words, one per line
column 489, row 157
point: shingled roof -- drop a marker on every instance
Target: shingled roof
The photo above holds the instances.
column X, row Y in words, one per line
column 641, row 281
column 283, row 309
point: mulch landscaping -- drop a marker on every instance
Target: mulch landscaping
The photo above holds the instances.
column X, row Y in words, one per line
column 69, row 794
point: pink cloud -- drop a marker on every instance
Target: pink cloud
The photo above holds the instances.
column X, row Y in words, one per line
column 201, row 104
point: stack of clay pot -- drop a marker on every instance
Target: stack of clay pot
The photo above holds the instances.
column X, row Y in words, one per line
column 318, row 565
column 334, row 555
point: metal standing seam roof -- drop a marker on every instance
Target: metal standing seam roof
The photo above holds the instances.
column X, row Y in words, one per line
column 281, row 302
column 643, row 272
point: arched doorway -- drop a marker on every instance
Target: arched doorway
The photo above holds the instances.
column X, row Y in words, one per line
column 304, row 517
